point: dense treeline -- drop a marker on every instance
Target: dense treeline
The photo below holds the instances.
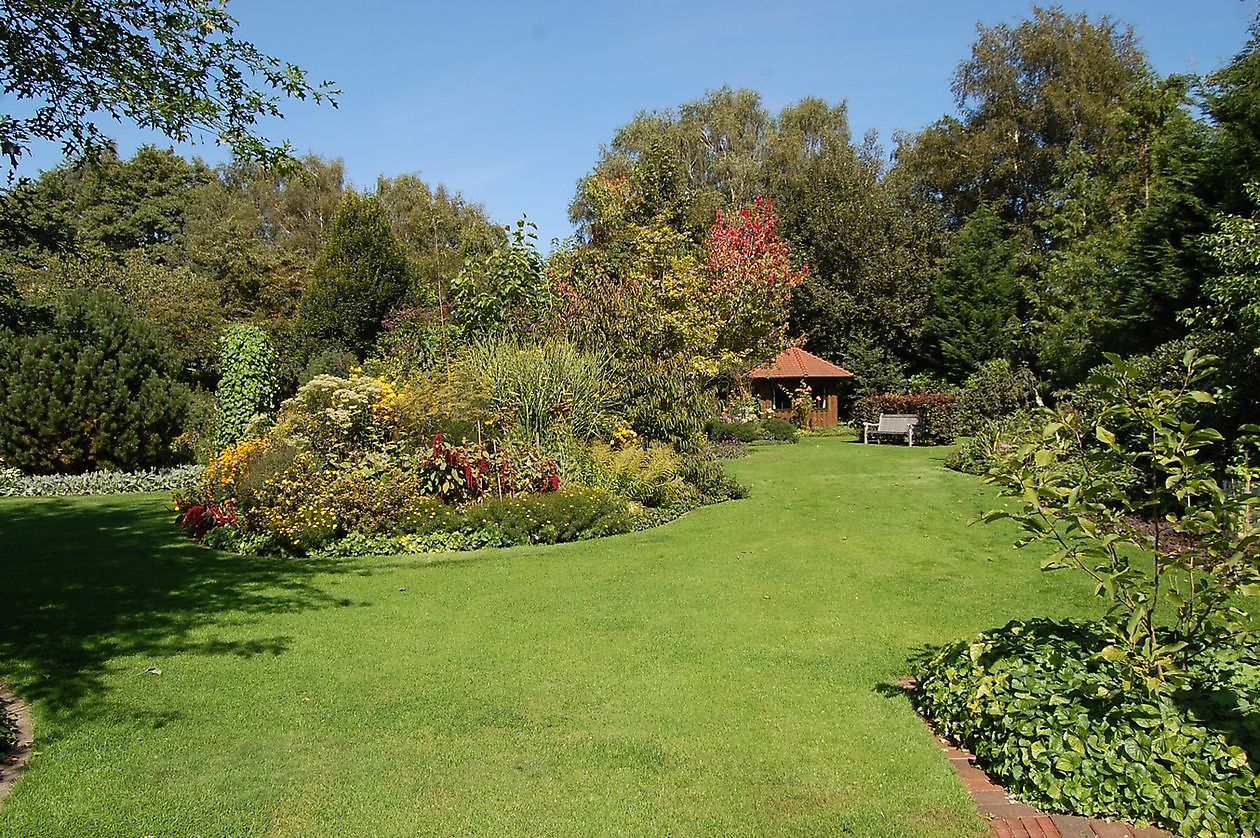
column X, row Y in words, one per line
column 1075, row 204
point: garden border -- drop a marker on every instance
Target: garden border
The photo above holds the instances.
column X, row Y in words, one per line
column 1011, row 818
column 13, row 763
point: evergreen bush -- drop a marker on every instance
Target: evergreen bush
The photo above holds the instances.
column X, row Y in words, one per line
column 94, row 389
column 779, row 430
column 993, row 391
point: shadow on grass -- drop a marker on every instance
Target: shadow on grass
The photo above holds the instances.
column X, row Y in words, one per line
column 86, row 580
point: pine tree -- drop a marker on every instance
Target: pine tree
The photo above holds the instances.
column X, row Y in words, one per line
column 94, row 389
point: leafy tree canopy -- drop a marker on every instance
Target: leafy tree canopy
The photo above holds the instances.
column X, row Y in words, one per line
column 175, row 66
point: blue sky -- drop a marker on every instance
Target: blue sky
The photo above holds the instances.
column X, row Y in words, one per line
column 509, row 103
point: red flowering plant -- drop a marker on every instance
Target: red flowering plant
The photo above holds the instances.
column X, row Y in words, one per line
column 199, row 518
column 457, row 473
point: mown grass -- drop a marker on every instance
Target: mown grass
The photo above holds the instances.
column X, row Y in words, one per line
column 726, row 674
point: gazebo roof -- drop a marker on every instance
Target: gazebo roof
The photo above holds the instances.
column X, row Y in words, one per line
column 797, row 363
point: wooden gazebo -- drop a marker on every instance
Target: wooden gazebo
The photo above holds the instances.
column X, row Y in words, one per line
column 774, row 384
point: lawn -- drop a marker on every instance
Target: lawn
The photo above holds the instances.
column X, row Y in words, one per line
column 728, row 673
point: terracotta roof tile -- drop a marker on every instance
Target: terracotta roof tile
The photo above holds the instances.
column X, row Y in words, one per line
column 797, row 363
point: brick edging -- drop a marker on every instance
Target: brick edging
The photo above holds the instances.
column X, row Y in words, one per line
column 1010, row 818
column 13, row 763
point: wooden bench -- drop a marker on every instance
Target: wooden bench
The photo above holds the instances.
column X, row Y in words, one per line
column 891, row 424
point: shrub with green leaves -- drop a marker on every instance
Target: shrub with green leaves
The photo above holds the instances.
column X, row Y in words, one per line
column 719, row 431
column 572, row 514
column 992, row 392
column 8, row 731
column 505, row 291
column 646, row 474
column 1131, row 498
column 95, row 388
column 663, row 400
column 247, row 381
column 710, row 482
column 1047, row 712
column 980, row 452
column 361, row 273
column 779, row 430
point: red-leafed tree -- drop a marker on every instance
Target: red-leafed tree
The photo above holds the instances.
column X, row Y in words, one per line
column 750, row 281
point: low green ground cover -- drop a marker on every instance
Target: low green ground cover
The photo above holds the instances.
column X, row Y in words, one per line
column 728, row 673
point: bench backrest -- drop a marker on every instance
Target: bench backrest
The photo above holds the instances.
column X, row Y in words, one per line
column 897, row 423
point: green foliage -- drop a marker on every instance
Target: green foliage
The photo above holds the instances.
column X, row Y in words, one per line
column 176, row 66
column 95, row 389
column 506, row 290
column 247, row 381
column 988, row 441
column 103, row 207
column 663, row 401
column 8, row 731
column 182, row 306
column 1232, row 98
column 1027, row 94
column 15, row 484
column 779, row 430
column 453, row 404
column 978, row 304
column 937, row 412
column 359, row 276
column 1131, row 499
column 1228, row 318
column 993, row 391
column 571, row 514
column 551, row 391
column 719, row 431
column 440, row 231
column 646, row 474
column 709, row 480
column 1047, row 711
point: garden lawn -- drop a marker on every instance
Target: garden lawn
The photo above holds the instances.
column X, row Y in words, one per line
column 728, row 673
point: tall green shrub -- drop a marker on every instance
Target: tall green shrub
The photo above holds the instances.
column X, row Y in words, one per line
column 503, row 291
column 664, row 400
column 1131, row 498
column 247, row 382
column 94, row 389
column 360, row 275
column 993, row 391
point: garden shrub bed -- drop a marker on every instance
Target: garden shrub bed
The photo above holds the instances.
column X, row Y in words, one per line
column 346, row 469
column 1055, row 721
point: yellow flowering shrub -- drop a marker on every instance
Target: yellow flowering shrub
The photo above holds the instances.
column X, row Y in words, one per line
column 225, row 473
